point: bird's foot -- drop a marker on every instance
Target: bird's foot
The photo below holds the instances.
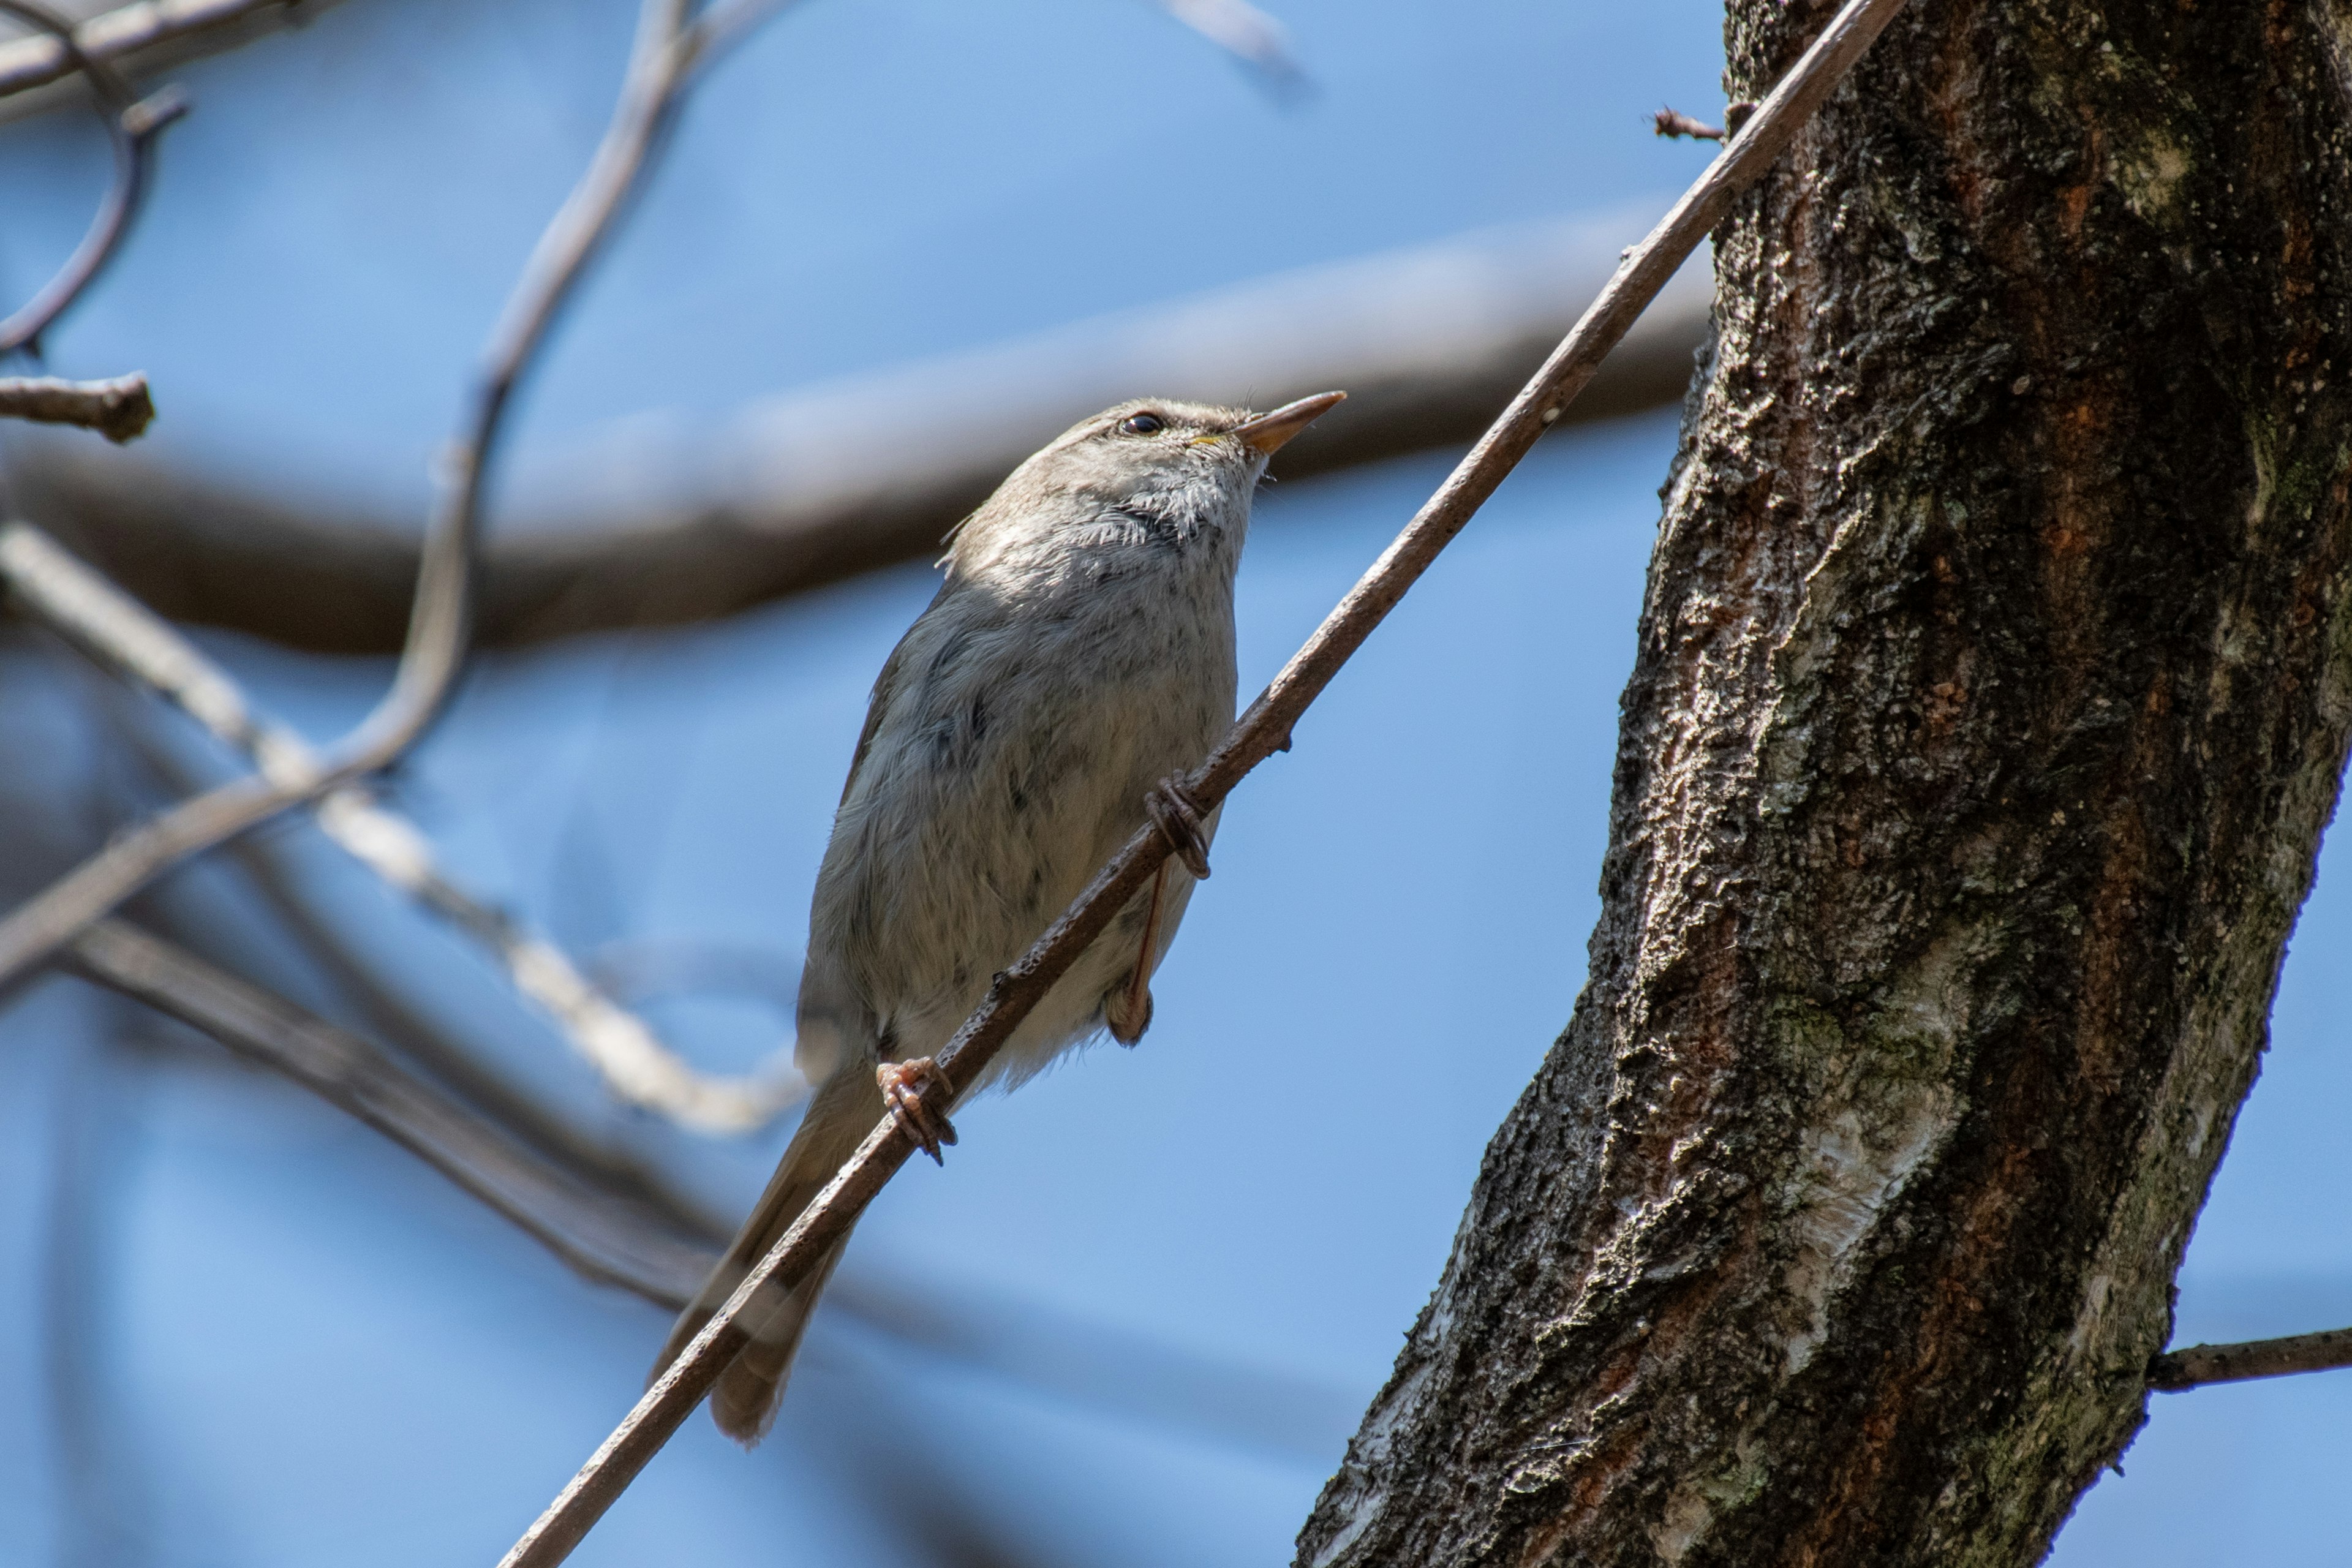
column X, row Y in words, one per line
column 1126, row 1011
column 903, row 1085
column 1179, row 821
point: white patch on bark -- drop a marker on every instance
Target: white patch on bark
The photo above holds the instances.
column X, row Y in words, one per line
column 1852, row 1168
column 1687, row 1516
column 1368, row 1454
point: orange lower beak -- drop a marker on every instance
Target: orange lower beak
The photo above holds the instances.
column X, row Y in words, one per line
column 1267, row 432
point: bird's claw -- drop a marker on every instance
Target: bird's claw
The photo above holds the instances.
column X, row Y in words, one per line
column 1179, row 821
column 1127, row 1011
column 903, row 1085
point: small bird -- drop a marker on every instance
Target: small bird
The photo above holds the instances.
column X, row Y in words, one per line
column 1077, row 662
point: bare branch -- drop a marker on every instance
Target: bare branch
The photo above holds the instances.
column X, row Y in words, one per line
column 123, row 636
column 1262, row 730
column 596, row 1237
column 2199, row 1364
column 436, row 645
column 26, row 63
column 131, row 127
column 121, row 409
column 648, row 523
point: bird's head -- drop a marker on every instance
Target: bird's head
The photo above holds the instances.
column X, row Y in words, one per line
column 1150, row 472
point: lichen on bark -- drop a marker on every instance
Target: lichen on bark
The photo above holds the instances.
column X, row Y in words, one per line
column 1991, row 693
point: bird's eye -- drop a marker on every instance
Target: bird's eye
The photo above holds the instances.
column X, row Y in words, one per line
column 1142, row 424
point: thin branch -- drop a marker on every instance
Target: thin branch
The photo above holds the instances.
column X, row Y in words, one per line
column 123, row 636
column 121, row 409
column 2199, row 1364
column 691, row 520
column 132, row 126
column 588, row 1232
column 26, row 63
column 1262, row 730
column 436, row 645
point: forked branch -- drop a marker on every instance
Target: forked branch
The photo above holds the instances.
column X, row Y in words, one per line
column 659, row 68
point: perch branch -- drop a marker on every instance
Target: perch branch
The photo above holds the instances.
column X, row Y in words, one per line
column 123, row 636
column 436, row 645
column 121, row 409
column 595, row 1237
column 2199, row 1364
column 1262, row 730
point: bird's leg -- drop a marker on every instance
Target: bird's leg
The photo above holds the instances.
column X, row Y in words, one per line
column 903, row 1084
column 1127, row 1010
column 1179, row 821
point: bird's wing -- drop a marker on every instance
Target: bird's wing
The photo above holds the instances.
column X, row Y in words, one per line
column 886, row 688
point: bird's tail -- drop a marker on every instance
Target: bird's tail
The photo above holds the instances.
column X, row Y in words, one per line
column 843, row 1112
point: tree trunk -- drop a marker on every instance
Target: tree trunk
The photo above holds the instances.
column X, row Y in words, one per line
column 1991, row 695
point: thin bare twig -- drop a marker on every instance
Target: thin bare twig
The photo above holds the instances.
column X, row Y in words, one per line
column 120, row 409
column 1262, row 730
column 26, row 63
column 132, row 126
column 586, row 1230
column 436, row 647
column 122, row 635
column 2199, row 1364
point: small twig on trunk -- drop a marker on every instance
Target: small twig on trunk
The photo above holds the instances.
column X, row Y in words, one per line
column 1673, row 121
column 121, row 409
column 2199, row 1364
column 596, row 1237
column 436, row 647
column 1670, row 122
column 1262, row 730
column 122, row 636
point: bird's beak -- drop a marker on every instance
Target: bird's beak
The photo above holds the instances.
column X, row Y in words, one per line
column 1267, row 432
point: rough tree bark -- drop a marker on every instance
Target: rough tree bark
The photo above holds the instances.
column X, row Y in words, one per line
column 1991, row 695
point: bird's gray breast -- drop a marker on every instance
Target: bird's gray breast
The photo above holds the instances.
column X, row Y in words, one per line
column 1029, row 711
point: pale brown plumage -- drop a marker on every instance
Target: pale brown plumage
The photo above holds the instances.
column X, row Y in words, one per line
column 1080, row 651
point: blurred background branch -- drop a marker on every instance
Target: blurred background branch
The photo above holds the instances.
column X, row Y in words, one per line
column 433, row 650
column 143, row 37
column 120, row 409
column 123, row 637
column 679, row 521
column 594, row 1236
